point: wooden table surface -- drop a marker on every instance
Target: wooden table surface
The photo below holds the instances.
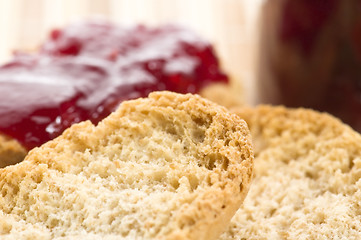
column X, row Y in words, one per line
column 230, row 24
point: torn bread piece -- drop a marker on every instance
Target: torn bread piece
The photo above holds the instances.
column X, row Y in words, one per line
column 170, row 166
column 307, row 178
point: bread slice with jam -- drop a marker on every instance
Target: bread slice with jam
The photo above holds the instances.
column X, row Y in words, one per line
column 170, row 166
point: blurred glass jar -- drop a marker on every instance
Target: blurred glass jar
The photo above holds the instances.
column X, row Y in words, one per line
column 311, row 56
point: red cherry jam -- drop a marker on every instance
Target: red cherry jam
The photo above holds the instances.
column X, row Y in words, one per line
column 85, row 70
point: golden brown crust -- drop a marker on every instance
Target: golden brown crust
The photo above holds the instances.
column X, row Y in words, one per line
column 186, row 162
column 11, row 151
column 307, row 177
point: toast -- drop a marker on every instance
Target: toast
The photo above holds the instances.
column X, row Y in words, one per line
column 306, row 180
column 170, row 166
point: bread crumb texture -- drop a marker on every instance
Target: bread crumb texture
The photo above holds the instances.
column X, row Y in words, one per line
column 307, row 177
column 170, row 166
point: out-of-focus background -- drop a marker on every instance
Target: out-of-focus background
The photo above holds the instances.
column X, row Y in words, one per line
column 231, row 25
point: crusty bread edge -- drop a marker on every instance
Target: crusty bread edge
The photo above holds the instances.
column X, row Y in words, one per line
column 228, row 95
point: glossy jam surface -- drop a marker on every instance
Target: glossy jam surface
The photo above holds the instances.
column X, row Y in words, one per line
column 85, row 70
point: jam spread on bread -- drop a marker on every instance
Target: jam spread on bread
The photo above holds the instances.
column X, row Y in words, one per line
column 85, row 70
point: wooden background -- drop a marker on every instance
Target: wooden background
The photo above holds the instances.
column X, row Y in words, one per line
column 230, row 24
